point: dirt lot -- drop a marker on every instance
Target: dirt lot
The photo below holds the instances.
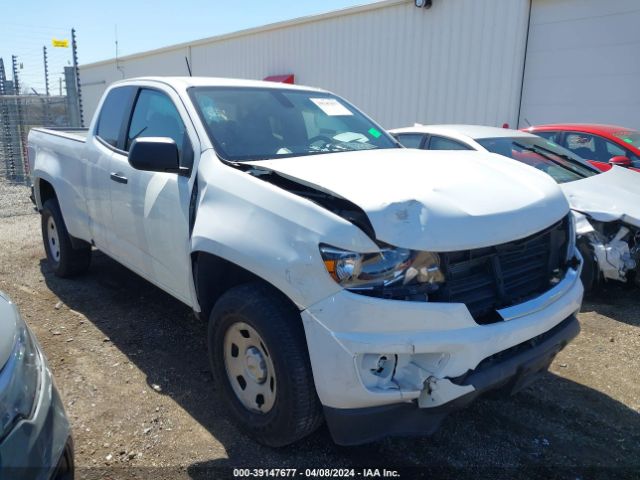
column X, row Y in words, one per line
column 131, row 365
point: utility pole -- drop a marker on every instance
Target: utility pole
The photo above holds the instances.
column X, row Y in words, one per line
column 74, row 46
column 16, row 81
column 21, row 153
column 46, row 70
column 46, row 112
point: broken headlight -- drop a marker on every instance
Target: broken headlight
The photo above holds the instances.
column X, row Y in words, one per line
column 391, row 272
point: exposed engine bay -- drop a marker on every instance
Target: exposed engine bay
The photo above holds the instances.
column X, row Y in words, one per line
column 614, row 247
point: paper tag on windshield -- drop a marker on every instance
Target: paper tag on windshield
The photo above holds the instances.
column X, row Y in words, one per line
column 331, row 106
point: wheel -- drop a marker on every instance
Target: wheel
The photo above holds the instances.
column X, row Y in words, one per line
column 260, row 364
column 590, row 271
column 64, row 260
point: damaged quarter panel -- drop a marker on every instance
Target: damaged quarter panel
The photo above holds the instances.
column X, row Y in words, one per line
column 607, row 211
column 606, row 197
column 269, row 231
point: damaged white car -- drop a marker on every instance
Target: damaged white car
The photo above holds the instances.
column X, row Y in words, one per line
column 343, row 277
column 606, row 205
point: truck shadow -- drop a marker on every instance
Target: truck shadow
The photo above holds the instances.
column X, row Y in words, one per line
column 615, row 300
column 555, row 424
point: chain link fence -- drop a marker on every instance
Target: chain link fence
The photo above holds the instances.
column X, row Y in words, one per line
column 20, row 113
column 39, row 87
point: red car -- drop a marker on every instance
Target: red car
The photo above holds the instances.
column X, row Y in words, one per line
column 601, row 145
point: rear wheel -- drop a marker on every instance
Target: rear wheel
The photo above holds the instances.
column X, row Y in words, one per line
column 63, row 259
column 261, row 366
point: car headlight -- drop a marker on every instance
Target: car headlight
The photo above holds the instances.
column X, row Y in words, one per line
column 391, row 272
column 19, row 380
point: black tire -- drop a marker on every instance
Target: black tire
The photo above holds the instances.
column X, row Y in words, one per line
column 296, row 411
column 65, row 261
column 590, row 272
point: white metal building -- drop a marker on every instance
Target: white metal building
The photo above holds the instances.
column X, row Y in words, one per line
column 462, row 61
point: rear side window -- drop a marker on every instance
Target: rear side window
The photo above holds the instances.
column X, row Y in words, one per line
column 410, row 140
column 551, row 136
column 112, row 116
column 442, row 143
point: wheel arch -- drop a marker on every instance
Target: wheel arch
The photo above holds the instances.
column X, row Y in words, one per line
column 214, row 275
column 44, row 191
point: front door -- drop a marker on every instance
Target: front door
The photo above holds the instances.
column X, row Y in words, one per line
column 150, row 210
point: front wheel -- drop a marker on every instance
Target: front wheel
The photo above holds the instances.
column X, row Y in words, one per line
column 63, row 259
column 261, row 366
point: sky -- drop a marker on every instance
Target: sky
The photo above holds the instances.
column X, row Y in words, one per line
column 27, row 26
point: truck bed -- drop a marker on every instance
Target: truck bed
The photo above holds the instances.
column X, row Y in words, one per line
column 76, row 134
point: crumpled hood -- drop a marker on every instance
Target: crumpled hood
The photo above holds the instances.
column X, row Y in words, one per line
column 434, row 200
column 8, row 328
column 608, row 196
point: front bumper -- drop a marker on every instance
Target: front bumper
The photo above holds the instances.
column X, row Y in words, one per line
column 40, row 447
column 428, row 345
column 513, row 371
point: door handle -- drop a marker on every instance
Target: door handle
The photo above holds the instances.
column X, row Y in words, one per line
column 118, row 177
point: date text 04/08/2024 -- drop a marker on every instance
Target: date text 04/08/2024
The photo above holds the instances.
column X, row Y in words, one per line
column 315, row 472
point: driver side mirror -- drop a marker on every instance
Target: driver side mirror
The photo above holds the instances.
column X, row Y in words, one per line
column 620, row 161
column 156, row 154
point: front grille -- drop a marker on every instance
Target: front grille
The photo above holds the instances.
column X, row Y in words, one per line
column 491, row 278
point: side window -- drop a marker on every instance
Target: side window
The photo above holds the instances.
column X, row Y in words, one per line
column 410, row 140
column 614, row 150
column 155, row 115
column 587, row 146
column 112, row 115
column 442, row 143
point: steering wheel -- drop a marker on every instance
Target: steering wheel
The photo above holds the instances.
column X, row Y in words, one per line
column 320, row 138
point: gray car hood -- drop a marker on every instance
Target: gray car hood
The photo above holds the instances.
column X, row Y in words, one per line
column 8, row 328
column 434, row 200
column 609, row 196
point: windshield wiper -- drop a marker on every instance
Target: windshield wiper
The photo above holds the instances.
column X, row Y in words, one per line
column 547, row 154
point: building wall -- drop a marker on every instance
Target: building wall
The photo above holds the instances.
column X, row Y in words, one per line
column 460, row 61
column 583, row 63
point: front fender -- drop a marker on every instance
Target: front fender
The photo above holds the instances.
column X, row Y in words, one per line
column 270, row 232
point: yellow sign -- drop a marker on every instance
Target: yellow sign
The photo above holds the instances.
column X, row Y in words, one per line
column 60, row 43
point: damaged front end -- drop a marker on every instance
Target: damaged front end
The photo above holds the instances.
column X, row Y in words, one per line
column 613, row 248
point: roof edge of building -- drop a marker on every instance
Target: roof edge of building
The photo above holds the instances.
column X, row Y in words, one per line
column 254, row 30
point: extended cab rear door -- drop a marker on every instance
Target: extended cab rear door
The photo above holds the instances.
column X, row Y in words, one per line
column 150, row 210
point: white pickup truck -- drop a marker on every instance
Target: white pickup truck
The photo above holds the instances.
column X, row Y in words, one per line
column 343, row 277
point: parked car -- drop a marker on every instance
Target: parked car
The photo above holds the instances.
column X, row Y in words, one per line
column 602, row 145
column 35, row 437
column 606, row 205
column 342, row 276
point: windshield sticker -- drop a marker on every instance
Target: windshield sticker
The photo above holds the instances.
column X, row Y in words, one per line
column 375, row 133
column 331, row 106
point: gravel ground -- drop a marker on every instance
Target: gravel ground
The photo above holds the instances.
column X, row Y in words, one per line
column 131, row 365
column 14, row 199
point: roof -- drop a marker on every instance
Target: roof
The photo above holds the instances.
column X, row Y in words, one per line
column 186, row 82
column 252, row 31
column 582, row 127
column 471, row 131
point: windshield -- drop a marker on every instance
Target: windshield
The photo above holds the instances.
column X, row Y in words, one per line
column 262, row 123
column 632, row 137
column 542, row 154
